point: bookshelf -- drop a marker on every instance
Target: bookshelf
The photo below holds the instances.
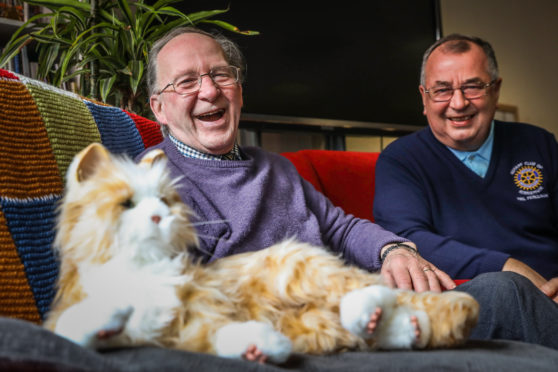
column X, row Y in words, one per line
column 7, row 28
column 13, row 14
column 20, row 63
column 8, row 25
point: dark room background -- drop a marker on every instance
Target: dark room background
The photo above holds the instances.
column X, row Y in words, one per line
column 343, row 62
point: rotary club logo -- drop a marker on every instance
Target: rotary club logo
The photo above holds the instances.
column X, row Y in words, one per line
column 528, row 177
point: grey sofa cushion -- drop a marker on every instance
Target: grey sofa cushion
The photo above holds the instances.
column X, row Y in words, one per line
column 27, row 347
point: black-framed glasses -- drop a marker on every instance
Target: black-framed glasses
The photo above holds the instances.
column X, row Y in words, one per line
column 221, row 76
column 470, row 91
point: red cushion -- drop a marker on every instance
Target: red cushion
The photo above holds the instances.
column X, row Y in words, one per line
column 345, row 177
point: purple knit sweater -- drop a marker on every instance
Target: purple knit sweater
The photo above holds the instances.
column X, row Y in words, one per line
column 262, row 200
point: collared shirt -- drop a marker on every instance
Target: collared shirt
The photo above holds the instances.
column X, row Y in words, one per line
column 190, row 152
column 478, row 160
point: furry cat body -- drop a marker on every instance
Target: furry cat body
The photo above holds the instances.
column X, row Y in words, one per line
column 126, row 279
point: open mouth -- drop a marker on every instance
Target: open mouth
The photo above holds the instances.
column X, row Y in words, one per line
column 459, row 119
column 211, row 116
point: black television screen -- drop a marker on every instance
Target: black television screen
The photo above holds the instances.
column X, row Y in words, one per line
column 347, row 61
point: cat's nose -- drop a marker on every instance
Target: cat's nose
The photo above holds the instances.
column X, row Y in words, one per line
column 156, row 218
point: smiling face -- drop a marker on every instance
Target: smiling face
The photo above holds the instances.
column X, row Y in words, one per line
column 208, row 119
column 460, row 123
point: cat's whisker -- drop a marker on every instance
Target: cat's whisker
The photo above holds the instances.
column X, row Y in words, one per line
column 210, row 237
column 210, row 254
column 202, row 236
column 201, row 223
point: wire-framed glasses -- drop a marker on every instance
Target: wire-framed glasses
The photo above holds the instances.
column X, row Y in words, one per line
column 191, row 83
column 444, row 93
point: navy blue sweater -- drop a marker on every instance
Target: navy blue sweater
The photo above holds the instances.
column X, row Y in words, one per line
column 465, row 224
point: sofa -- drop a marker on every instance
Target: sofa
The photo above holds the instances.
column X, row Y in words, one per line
column 41, row 128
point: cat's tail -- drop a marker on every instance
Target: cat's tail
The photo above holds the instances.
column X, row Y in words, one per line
column 452, row 314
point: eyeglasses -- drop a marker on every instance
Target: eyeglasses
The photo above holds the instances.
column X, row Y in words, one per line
column 221, row 76
column 469, row 91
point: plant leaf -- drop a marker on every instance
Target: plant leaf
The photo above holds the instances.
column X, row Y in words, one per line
column 57, row 4
column 198, row 16
column 13, row 48
column 116, row 39
column 136, row 67
column 228, row 26
column 105, row 87
column 75, row 74
column 80, row 17
column 125, row 9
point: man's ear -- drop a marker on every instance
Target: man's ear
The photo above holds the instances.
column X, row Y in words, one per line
column 423, row 94
column 156, row 103
column 497, row 86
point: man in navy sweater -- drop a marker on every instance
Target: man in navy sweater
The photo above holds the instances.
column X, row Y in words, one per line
column 475, row 194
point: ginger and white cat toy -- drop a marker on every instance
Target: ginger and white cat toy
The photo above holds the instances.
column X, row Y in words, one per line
column 126, row 278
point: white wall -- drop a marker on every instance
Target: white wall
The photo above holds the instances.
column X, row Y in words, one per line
column 524, row 34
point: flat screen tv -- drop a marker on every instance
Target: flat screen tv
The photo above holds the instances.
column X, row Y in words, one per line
column 346, row 61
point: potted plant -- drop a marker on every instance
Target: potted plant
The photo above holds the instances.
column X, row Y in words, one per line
column 102, row 45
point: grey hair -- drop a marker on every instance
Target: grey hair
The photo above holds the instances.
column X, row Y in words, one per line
column 231, row 51
column 456, row 44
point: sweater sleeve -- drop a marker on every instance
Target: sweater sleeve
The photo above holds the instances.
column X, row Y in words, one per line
column 401, row 206
column 359, row 241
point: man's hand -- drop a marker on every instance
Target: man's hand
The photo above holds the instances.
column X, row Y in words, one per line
column 407, row 270
column 549, row 288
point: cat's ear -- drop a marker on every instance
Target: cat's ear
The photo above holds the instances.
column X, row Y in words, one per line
column 152, row 157
column 87, row 160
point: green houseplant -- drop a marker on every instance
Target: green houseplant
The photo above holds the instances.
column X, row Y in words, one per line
column 102, row 45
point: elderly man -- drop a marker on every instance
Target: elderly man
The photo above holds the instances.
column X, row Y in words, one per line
column 196, row 95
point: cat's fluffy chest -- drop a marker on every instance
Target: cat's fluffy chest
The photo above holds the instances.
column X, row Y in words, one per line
column 124, row 275
column 144, row 294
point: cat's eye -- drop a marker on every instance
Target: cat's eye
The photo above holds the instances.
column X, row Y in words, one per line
column 128, row 203
column 165, row 200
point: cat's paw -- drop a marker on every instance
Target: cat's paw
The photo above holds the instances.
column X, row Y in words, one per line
column 92, row 327
column 372, row 313
column 361, row 310
column 252, row 341
column 406, row 328
column 115, row 324
column 253, row 354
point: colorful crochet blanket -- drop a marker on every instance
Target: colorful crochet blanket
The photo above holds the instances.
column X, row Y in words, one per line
column 41, row 129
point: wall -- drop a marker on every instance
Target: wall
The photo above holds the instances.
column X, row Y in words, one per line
column 524, row 34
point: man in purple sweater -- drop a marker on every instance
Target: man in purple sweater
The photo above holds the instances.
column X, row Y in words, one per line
column 196, row 96
column 253, row 199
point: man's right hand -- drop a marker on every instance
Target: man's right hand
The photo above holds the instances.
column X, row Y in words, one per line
column 405, row 270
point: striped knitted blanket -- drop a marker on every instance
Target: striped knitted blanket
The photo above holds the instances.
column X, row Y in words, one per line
column 41, row 129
